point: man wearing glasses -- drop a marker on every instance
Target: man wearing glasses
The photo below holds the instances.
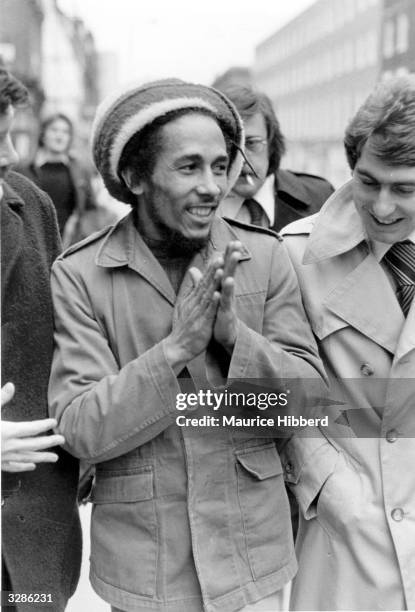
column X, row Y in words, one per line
column 264, row 194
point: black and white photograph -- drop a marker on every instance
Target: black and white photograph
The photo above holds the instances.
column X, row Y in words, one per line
column 207, row 305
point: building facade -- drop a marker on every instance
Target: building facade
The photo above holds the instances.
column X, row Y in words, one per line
column 398, row 37
column 317, row 70
column 54, row 55
column 21, row 51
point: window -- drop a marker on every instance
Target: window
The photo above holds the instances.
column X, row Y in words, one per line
column 402, row 33
column 388, row 39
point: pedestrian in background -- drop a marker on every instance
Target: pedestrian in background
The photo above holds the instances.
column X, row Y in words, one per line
column 355, row 261
column 66, row 180
column 41, row 536
column 264, row 194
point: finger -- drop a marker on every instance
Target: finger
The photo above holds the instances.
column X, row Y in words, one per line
column 15, row 466
column 232, row 256
column 30, row 428
column 212, row 307
column 232, row 264
column 37, row 443
column 213, row 287
column 7, row 393
column 227, row 293
column 207, row 285
column 208, row 281
column 31, row 457
column 195, row 275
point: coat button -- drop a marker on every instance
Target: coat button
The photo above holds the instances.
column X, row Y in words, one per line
column 397, row 514
column 366, row 369
column 391, row 435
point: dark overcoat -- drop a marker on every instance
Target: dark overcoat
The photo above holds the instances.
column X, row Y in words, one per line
column 40, row 522
column 298, row 195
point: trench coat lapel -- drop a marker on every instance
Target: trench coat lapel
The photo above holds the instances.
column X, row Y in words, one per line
column 365, row 300
column 11, row 233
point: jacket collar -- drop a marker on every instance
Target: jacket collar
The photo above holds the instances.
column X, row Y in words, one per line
column 287, row 182
column 12, row 231
column 124, row 246
column 337, row 228
column 11, row 198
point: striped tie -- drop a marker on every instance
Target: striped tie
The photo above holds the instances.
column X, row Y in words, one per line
column 400, row 260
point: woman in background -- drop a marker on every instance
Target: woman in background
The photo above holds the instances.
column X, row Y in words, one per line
column 66, row 180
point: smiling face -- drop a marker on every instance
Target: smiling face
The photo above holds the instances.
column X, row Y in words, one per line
column 188, row 181
column 384, row 196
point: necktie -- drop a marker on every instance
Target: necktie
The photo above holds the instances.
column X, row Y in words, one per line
column 255, row 211
column 400, row 260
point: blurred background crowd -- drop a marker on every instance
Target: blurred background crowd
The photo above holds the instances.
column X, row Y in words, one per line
column 317, row 67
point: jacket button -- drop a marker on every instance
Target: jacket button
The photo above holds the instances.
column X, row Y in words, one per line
column 391, row 435
column 397, row 514
column 366, row 369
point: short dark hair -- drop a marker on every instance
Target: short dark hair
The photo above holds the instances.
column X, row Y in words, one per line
column 12, row 91
column 51, row 119
column 249, row 102
column 387, row 117
column 141, row 151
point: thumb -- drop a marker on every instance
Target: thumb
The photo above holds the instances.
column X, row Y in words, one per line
column 195, row 275
column 7, row 393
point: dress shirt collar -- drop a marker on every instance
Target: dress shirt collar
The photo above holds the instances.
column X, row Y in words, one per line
column 379, row 249
column 231, row 206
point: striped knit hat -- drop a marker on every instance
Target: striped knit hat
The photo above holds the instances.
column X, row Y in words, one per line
column 125, row 113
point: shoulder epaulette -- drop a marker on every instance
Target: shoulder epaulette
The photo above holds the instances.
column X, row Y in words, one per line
column 252, row 228
column 300, row 226
column 85, row 242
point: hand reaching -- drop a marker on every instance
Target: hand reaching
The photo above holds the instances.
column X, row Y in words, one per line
column 21, row 446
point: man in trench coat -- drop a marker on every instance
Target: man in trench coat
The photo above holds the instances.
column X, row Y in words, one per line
column 355, row 261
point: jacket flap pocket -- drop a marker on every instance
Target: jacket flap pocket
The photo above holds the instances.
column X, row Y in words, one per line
column 263, row 462
column 123, row 488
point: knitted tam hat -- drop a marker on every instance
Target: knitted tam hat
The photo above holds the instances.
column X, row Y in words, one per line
column 123, row 114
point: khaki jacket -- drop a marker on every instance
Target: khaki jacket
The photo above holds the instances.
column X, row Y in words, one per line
column 181, row 517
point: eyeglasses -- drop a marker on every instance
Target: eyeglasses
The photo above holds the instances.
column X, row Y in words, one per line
column 255, row 145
